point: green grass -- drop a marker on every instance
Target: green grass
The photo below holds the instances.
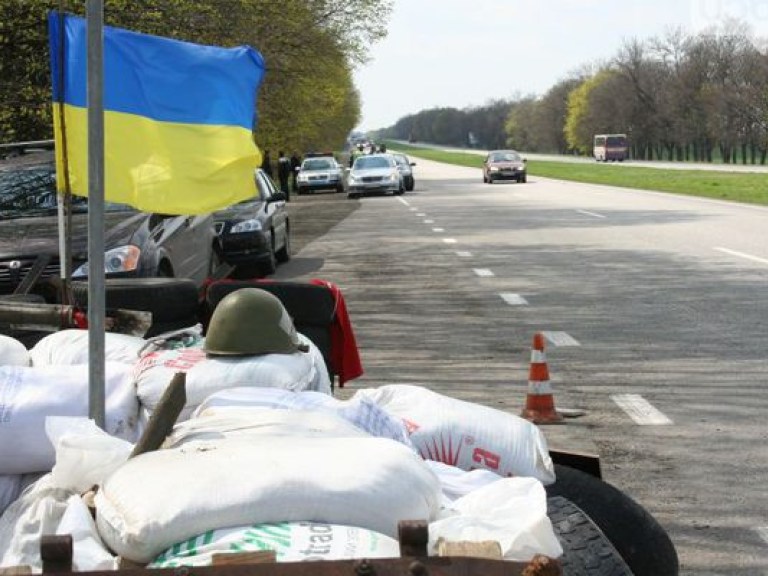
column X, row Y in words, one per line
column 751, row 188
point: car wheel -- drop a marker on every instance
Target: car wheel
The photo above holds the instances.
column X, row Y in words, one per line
column 485, row 178
column 410, row 184
column 638, row 537
column 352, row 196
column 173, row 302
column 523, row 179
column 340, row 189
column 490, row 180
column 269, row 266
column 284, row 254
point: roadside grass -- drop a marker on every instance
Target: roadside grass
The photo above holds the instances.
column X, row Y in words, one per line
column 750, row 188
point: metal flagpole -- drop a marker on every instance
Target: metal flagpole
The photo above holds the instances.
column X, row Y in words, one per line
column 96, row 293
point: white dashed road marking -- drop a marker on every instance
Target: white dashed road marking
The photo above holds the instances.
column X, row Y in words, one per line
column 588, row 213
column 483, row 272
column 742, row 255
column 463, row 254
column 762, row 531
column 513, row 299
column 438, row 229
column 403, row 201
column 561, row 339
column 449, row 240
column 429, row 221
column 421, row 214
column 640, row 410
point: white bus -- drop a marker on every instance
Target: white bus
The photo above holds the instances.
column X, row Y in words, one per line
column 610, row 147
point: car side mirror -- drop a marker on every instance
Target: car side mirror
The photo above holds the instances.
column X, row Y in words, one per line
column 277, row 197
column 413, row 163
column 525, row 160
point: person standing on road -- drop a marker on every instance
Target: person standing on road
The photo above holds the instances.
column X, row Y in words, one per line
column 266, row 164
column 283, row 172
column 295, row 165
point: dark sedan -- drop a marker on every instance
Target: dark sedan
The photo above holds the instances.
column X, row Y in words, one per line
column 504, row 165
column 255, row 234
column 137, row 244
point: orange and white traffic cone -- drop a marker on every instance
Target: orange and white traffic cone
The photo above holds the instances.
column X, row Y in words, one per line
column 540, row 402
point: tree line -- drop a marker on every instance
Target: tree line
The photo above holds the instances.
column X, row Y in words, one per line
column 307, row 101
column 681, row 97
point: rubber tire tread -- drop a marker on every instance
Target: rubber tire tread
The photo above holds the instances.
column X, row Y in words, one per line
column 638, row 537
column 586, row 550
column 171, row 301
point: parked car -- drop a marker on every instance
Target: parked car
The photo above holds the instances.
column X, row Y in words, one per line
column 255, row 234
column 320, row 173
column 137, row 244
column 374, row 174
column 406, row 169
column 504, row 165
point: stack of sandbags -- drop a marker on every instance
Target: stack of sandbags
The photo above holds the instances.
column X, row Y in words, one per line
column 13, row 352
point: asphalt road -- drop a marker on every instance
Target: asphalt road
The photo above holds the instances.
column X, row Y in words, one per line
column 655, row 312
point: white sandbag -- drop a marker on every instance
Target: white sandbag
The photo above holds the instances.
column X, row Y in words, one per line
column 10, row 488
column 455, row 482
column 163, row 497
column 13, row 352
column 257, row 422
column 362, row 412
column 29, row 395
column 88, row 551
column 67, row 347
column 208, row 374
column 511, row 511
column 467, row 435
column 36, row 512
column 291, row 541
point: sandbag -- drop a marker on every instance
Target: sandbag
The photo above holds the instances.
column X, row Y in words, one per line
column 467, row 435
column 13, row 352
column 362, row 412
column 291, row 541
column 160, row 498
column 67, row 347
column 10, row 488
column 208, row 374
column 29, row 394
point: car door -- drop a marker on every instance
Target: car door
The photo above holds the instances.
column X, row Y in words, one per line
column 276, row 213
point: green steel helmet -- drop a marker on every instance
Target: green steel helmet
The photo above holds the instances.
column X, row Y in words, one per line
column 251, row 321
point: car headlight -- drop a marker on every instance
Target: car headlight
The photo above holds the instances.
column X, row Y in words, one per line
column 120, row 259
column 394, row 177
column 246, row 226
column 302, row 177
column 352, row 178
column 494, row 168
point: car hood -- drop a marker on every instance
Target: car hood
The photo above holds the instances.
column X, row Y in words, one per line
column 33, row 236
column 372, row 172
column 243, row 211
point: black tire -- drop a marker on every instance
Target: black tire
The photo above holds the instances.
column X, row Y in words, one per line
column 173, row 302
column 340, row 189
column 410, row 184
column 586, row 550
column 352, row 196
column 269, row 265
column 523, row 179
column 284, row 254
column 638, row 537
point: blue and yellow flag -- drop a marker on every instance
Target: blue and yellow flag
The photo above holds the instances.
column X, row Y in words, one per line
column 178, row 118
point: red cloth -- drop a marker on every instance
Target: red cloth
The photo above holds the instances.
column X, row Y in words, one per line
column 344, row 353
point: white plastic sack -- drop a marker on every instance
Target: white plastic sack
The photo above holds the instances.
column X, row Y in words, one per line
column 291, row 541
column 512, row 511
column 85, row 454
column 67, row 347
column 455, row 482
column 13, row 352
column 10, row 488
column 466, row 435
column 257, row 422
column 362, row 412
column 160, row 498
column 29, row 395
column 206, row 375
column 88, row 551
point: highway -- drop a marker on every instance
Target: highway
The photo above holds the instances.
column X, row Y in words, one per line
column 655, row 312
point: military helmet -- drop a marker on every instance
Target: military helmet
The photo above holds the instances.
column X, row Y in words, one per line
column 251, row 321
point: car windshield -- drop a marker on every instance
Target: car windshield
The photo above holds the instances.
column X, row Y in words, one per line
column 505, row 157
column 29, row 192
column 365, row 163
column 317, row 164
column 401, row 160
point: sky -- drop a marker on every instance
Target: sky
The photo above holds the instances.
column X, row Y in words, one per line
column 464, row 53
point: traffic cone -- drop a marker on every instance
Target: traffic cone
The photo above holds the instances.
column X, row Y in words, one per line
column 540, row 402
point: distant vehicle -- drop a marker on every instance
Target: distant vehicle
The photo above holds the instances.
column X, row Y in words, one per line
column 374, row 174
column 504, row 165
column 320, row 172
column 255, row 234
column 137, row 244
column 406, row 169
column 610, row 147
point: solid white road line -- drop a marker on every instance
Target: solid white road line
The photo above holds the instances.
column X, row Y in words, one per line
column 438, row 229
column 640, row 410
column 588, row 213
column 463, row 254
column 513, row 299
column 742, row 255
column 420, row 214
column 449, row 240
column 561, row 339
column 483, row 272
column 403, row 201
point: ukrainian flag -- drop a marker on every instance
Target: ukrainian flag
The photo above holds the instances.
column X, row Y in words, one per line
column 178, row 118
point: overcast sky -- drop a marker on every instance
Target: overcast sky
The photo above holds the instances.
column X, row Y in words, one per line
column 462, row 53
